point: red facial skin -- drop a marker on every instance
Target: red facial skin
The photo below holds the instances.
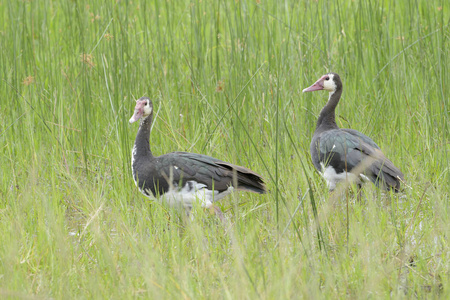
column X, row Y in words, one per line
column 138, row 111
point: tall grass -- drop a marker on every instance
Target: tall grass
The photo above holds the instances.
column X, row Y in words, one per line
column 226, row 77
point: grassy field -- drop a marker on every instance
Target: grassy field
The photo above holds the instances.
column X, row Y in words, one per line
column 226, row 78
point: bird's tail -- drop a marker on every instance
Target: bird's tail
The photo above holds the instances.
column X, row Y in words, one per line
column 386, row 174
column 245, row 179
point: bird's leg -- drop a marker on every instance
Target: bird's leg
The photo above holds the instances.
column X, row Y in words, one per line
column 218, row 212
column 358, row 193
column 189, row 216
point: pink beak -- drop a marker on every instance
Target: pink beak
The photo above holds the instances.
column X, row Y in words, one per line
column 317, row 86
column 138, row 111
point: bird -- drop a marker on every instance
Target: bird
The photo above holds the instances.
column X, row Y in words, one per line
column 182, row 178
column 346, row 154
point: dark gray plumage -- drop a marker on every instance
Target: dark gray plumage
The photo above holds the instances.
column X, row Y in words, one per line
column 186, row 176
column 335, row 151
column 153, row 173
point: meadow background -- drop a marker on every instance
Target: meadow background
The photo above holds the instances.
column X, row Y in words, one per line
column 226, row 78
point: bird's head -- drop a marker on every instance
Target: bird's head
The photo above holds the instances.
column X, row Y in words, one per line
column 329, row 82
column 143, row 108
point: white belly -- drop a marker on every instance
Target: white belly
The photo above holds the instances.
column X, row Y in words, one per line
column 191, row 193
column 332, row 178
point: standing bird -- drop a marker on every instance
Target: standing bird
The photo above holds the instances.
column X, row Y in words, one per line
column 336, row 152
column 181, row 178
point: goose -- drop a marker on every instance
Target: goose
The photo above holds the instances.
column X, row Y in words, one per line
column 181, row 178
column 336, row 152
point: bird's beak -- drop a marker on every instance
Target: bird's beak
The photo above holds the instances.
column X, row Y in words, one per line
column 317, row 86
column 138, row 112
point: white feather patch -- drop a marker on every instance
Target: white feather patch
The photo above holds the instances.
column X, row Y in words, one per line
column 190, row 193
column 329, row 84
column 332, row 178
column 133, row 155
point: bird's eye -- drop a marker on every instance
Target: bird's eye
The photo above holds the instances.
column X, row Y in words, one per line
column 327, row 78
column 146, row 103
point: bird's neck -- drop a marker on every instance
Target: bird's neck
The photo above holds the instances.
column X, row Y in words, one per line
column 142, row 142
column 327, row 119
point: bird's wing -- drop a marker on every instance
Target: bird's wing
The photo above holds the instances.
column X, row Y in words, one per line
column 339, row 149
column 345, row 149
column 209, row 171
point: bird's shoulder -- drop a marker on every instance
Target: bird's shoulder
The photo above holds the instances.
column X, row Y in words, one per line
column 344, row 140
column 361, row 137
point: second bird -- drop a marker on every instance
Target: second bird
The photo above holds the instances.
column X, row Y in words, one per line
column 336, row 152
